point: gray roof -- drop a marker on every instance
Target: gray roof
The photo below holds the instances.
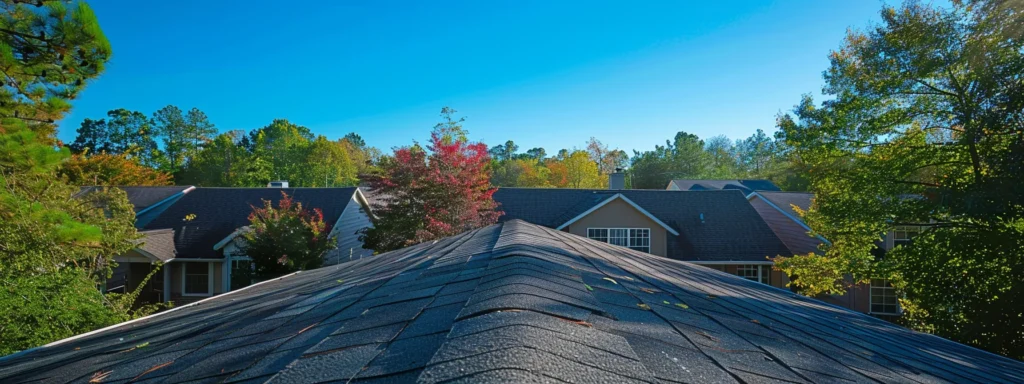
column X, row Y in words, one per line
column 220, row 211
column 144, row 197
column 746, row 186
column 159, row 243
column 731, row 230
column 512, row 302
column 786, row 200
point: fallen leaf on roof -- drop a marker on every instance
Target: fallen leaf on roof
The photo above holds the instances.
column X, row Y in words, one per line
column 755, row 321
column 644, row 306
column 611, row 280
column 307, row 328
column 589, row 288
column 341, row 281
column 683, row 306
column 665, row 302
column 648, row 290
column 153, row 368
column 143, row 345
column 99, row 376
column 627, row 278
column 712, row 297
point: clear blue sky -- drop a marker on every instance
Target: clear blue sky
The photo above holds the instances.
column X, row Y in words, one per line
column 543, row 73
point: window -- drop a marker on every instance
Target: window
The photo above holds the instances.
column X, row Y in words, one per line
column 883, row 298
column 903, row 235
column 241, row 273
column 758, row 273
column 633, row 238
column 196, row 279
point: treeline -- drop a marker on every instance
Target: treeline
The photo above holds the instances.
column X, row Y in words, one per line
column 172, row 146
column 686, row 156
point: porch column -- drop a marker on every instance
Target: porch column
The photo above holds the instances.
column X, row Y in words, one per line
column 209, row 281
column 167, row 282
column 226, row 272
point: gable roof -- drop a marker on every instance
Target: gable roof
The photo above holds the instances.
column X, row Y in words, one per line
column 776, row 208
column 220, row 211
column 143, row 197
column 512, row 302
column 747, row 186
column 619, row 196
column 158, row 244
column 786, row 201
column 731, row 229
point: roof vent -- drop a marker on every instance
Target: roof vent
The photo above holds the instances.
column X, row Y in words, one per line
column 278, row 184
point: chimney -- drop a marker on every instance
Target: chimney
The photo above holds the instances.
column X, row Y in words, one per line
column 617, row 180
column 278, row 184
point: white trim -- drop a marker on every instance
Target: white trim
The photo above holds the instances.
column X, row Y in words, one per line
column 223, row 242
column 209, row 282
column 157, row 204
column 701, row 262
column 90, row 333
column 627, row 200
column 899, row 309
column 629, row 236
column 787, row 214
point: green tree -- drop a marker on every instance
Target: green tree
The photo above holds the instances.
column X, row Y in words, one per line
column 450, row 129
column 582, row 171
column 198, row 131
column 722, row 158
column 328, row 165
column 221, row 163
column 537, row 153
column 55, row 247
column 504, row 152
column 131, row 133
column 683, row 157
column 170, row 125
column 924, row 128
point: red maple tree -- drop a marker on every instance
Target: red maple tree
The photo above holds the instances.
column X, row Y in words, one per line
column 424, row 196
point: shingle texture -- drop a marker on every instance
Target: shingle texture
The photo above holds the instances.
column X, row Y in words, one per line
column 730, row 231
column 512, row 302
column 144, row 197
column 159, row 243
column 776, row 208
column 220, row 211
column 746, row 186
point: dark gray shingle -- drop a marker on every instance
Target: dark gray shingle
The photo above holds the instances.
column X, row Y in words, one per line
column 573, row 310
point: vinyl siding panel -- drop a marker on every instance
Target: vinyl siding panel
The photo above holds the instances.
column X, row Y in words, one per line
column 353, row 219
column 619, row 214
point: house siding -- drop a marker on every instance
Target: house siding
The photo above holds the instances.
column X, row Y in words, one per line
column 619, row 214
column 790, row 232
column 352, row 220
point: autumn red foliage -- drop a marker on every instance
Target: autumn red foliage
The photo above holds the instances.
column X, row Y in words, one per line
column 425, row 196
column 286, row 238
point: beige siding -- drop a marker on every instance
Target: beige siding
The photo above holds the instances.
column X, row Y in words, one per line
column 619, row 214
column 218, row 278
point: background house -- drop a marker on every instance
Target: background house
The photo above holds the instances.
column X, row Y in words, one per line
column 745, row 186
column 512, row 302
column 778, row 209
column 718, row 228
column 194, row 235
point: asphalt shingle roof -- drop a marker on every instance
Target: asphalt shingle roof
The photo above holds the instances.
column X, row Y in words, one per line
column 731, row 230
column 144, row 197
column 786, row 200
column 746, row 186
column 159, row 243
column 220, row 211
column 512, row 302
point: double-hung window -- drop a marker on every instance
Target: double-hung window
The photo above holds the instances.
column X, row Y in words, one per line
column 883, row 298
column 758, row 273
column 633, row 238
column 904, row 235
column 196, row 279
